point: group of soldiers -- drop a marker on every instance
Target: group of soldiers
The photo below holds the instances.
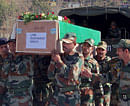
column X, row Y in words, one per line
column 71, row 78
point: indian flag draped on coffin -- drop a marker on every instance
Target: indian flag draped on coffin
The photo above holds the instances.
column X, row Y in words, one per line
column 82, row 33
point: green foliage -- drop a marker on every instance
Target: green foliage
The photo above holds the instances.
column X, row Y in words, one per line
column 6, row 10
column 27, row 17
column 40, row 6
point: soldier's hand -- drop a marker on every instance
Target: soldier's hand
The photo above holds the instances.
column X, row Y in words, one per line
column 55, row 56
column 87, row 73
column 101, row 104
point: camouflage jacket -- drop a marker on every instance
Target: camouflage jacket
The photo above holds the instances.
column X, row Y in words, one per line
column 93, row 66
column 120, row 74
column 115, row 65
column 17, row 73
column 104, row 68
column 103, row 64
column 3, row 62
column 125, row 81
column 67, row 74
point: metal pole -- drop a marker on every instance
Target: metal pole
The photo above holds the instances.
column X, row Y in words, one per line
column 125, row 33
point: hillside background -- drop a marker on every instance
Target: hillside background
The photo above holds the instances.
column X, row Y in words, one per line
column 11, row 9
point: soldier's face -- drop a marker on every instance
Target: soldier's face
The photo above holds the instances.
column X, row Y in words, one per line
column 123, row 53
column 12, row 46
column 87, row 49
column 3, row 49
column 68, row 47
column 101, row 52
column 120, row 53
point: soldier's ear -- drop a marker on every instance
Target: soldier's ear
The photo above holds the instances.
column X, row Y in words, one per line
column 75, row 43
column 126, row 51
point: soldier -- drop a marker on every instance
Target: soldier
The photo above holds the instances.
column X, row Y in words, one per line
column 91, row 90
column 123, row 51
column 4, row 55
column 12, row 46
column 114, row 69
column 102, row 60
column 114, row 32
column 65, row 70
column 16, row 73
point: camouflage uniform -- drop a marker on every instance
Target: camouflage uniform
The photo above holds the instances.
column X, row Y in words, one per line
column 4, row 55
column 123, row 51
column 104, row 71
column 114, row 66
column 67, row 80
column 91, row 88
column 17, row 75
column 124, row 91
column 2, row 92
column 41, row 80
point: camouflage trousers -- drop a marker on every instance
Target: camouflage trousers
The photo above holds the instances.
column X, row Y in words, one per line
column 115, row 94
column 98, row 94
column 107, row 94
column 69, row 98
column 42, row 93
column 11, row 99
column 87, row 98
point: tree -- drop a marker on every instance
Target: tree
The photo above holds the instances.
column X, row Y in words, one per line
column 3, row 9
column 39, row 6
column 7, row 17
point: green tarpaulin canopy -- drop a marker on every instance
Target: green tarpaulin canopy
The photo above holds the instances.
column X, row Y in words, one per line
column 82, row 33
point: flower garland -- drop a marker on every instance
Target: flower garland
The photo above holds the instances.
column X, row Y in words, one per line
column 27, row 17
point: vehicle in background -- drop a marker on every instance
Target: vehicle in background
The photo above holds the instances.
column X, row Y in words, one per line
column 99, row 18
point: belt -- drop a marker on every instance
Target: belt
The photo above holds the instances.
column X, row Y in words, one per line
column 67, row 89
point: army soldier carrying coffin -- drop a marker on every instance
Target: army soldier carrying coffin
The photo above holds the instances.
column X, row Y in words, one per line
column 65, row 69
column 16, row 75
column 4, row 56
